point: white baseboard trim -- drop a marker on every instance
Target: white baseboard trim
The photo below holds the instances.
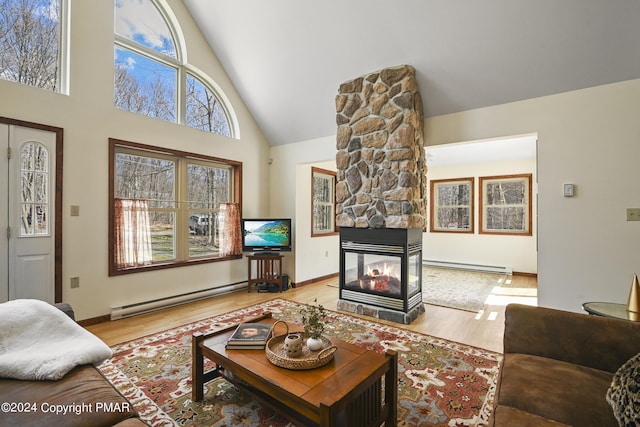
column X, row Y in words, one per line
column 471, row 267
column 158, row 304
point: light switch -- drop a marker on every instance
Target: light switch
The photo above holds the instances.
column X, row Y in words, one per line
column 633, row 214
column 569, row 190
column 75, row 210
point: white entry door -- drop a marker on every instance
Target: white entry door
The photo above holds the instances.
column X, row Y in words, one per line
column 27, row 259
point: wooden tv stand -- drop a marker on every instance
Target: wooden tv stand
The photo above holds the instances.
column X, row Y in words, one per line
column 268, row 270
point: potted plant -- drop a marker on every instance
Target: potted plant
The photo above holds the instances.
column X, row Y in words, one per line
column 313, row 317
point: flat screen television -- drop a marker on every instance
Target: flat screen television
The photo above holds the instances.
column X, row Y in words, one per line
column 264, row 235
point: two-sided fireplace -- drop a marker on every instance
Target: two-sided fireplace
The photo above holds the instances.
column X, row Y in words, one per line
column 381, row 272
column 381, row 194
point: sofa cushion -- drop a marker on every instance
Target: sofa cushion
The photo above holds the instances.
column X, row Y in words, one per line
column 84, row 392
column 66, row 309
column 556, row 390
column 624, row 393
column 507, row 416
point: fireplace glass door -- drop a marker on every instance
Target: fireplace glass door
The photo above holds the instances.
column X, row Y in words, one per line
column 373, row 273
column 414, row 275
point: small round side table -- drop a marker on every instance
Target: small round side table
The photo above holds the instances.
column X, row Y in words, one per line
column 611, row 309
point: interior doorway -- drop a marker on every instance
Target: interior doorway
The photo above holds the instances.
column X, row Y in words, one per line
column 470, row 161
column 30, row 213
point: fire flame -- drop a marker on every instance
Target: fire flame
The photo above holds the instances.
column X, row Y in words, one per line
column 375, row 271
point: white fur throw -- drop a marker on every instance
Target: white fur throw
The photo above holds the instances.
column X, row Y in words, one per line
column 40, row 342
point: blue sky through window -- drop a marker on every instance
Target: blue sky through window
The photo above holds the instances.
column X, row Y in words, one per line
column 140, row 21
column 147, row 71
column 154, row 93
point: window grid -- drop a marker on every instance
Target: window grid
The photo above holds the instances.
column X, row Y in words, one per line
column 183, row 204
column 505, row 204
column 323, row 202
column 451, row 207
column 217, row 112
column 34, row 190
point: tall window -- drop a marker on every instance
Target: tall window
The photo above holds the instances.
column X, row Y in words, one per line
column 31, row 39
column 165, row 206
column 151, row 76
column 323, row 185
column 452, row 205
column 34, row 189
column 505, row 204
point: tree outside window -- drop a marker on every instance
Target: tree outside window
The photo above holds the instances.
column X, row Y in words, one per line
column 34, row 189
column 505, row 204
column 204, row 110
column 151, row 77
column 451, row 207
column 144, row 86
column 30, row 42
column 323, row 209
column 171, row 196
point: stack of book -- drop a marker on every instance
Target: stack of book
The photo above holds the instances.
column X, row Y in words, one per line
column 250, row 336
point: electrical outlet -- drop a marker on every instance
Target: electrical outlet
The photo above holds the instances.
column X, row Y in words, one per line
column 75, row 282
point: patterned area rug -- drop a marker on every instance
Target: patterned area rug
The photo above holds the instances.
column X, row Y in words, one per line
column 460, row 289
column 440, row 383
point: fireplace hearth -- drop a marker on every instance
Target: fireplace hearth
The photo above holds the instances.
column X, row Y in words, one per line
column 381, row 272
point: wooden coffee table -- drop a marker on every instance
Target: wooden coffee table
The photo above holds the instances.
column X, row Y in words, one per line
column 357, row 388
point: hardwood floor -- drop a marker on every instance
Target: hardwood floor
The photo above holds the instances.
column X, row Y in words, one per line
column 483, row 329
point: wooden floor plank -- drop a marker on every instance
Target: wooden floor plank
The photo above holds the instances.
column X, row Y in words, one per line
column 484, row 329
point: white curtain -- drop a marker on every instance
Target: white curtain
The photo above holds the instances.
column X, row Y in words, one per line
column 132, row 233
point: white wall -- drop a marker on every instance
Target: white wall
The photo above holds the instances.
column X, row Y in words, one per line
column 517, row 252
column 89, row 118
column 315, row 256
column 586, row 249
column 590, row 137
column 284, row 181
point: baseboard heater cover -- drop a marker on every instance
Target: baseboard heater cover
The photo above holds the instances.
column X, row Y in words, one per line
column 158, row 304
column 471, row 267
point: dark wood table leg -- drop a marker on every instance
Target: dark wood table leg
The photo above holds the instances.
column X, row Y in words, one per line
column 197, row 368
column 391, row 389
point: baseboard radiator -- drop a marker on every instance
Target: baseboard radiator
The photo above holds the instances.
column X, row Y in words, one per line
column 158, row 304
column 470, row 267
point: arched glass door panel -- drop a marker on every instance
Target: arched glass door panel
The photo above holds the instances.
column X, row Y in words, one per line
column 34, row 190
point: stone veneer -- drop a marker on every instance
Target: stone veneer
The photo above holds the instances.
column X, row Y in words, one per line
column 381, row 167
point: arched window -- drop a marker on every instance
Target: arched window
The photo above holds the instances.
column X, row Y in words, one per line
column 151, row 75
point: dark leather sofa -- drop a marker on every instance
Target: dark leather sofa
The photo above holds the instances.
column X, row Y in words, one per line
column 83, row 393
column 558, row 366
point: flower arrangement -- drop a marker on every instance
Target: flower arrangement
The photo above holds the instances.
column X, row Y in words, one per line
column 313, row 317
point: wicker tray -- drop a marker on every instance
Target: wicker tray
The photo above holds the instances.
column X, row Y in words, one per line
column 277, row 355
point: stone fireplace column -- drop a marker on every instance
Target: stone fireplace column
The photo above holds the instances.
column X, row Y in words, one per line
column 381, row 165
column 380, row 194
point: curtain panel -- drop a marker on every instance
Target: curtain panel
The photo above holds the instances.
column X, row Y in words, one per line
column 132, row 233
column 231, row 238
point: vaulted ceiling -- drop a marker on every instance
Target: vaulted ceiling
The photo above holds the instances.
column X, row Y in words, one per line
column 287, row 58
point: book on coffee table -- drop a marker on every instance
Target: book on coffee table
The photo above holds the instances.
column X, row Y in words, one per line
column 250, row 336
